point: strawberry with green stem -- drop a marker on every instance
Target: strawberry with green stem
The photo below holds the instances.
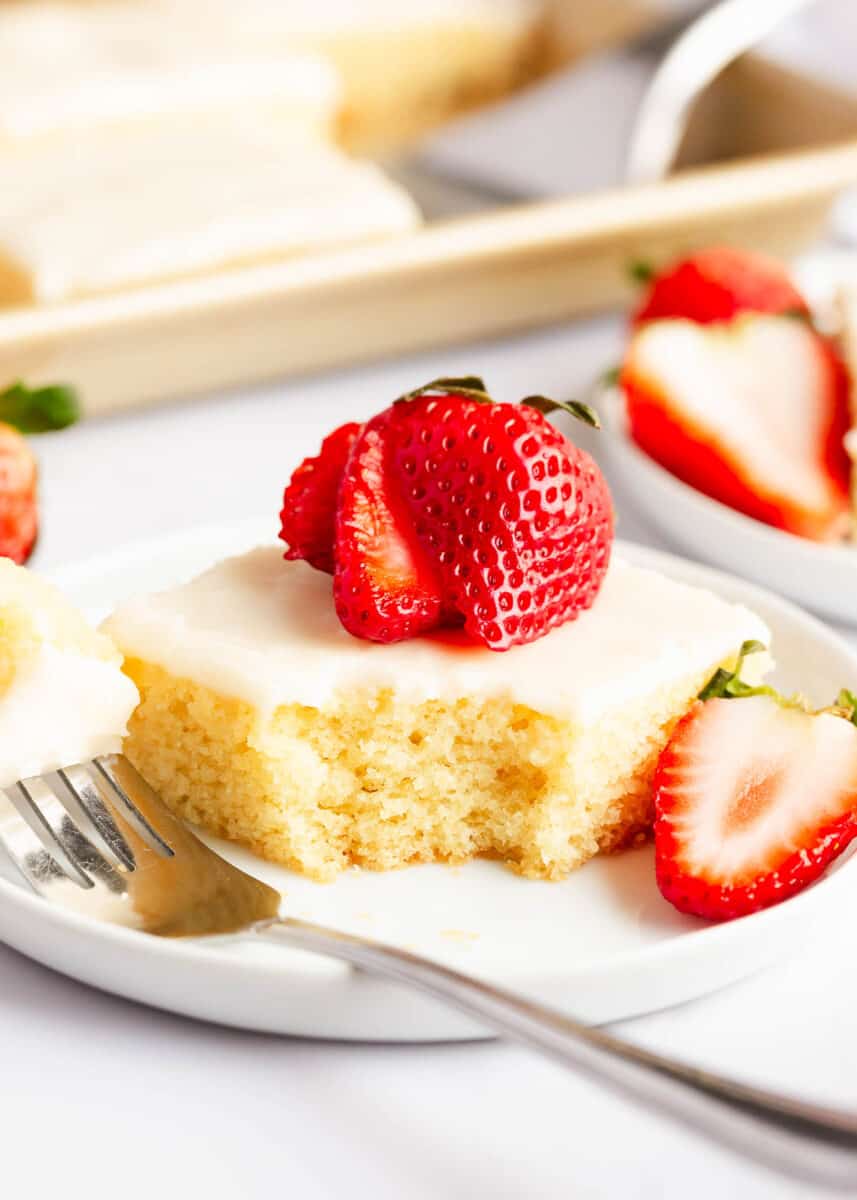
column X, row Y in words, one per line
column 755, row 795
column 454, row 509
column 26, row 410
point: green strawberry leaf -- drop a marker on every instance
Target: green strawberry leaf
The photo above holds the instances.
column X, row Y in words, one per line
column 575, row 408
column 847, row 701
column 726, row 685
column 610, row 378
column 797, row 314
column 641, row 271
column 471, row 386
column 39, row 410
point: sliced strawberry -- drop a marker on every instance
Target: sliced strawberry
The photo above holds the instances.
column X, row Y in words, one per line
column 309, row 501
column 753, row 799
column 385, row 587
column 517, row 518
column 449, row 509
column 718, row 283
column 752, row 413
column 19, row 521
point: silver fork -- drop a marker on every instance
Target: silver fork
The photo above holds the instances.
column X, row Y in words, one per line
column 96, row 838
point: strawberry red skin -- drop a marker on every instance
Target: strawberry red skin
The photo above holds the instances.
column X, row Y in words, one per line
column 385, row 587
column 685, row 453
column 510, row 535
column 19, row 520
column 309, row 501
column 518, row 519
column 717, row 284
column 711, row 899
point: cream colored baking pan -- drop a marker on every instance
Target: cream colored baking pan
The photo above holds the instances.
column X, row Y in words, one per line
column 766, row 180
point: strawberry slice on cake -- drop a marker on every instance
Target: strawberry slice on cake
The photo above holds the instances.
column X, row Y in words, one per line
column 449, row 508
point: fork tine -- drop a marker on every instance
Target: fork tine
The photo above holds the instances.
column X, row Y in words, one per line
column 24, row 849
column 85, row 804
column 50, row 803
column 41, row 857
column 119, row 796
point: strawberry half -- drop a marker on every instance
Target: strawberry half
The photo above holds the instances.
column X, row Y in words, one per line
column 754, row 798
column 718, row 283
column 19, row 521
column 310, row 499
column 752, row 413
column 517, row 518
column 384, row 586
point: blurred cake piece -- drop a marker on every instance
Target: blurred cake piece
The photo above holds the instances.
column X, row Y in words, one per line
column 404, row 66
column 117, row 208
column 63, row 696
column 71, row 67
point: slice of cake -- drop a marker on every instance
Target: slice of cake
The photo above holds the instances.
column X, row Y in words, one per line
column 72, row 67
column 263, row 721
column 63, row 696
column 111, row 209
column 401, row 68
column 404, row 67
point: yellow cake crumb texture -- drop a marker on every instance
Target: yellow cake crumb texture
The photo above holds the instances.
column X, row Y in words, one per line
column 376, row 782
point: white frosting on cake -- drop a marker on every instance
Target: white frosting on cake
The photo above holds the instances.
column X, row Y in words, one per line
column 68, row 67
column 110, row 208
column 297, row 18
column 265, row 631
column 64, row 708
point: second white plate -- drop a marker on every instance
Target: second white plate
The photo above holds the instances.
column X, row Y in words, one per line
column 821, row 577
column 601, row 945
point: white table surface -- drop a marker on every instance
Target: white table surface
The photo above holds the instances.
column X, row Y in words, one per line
column 101, row 1098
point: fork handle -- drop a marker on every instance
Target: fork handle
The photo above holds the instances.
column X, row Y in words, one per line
column 804, row 1141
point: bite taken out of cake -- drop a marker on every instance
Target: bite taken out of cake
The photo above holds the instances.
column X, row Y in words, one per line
column 63, row 696
column 265, row 722
column 478, row 679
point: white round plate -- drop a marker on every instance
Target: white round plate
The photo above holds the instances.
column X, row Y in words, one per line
column 822, row 577
column 601, row 945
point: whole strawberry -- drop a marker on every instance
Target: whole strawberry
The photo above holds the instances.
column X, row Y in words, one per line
column 18, row 512
column 456, row 510
column 718, row 283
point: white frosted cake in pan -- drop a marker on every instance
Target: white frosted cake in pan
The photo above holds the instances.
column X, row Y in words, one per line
column 63, row 696
column 262, row 720
column 105, row 210
column 404, row 67
column 397, row 67
column 68, row 68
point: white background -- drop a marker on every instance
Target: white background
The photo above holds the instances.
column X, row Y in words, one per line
column 101, row 1098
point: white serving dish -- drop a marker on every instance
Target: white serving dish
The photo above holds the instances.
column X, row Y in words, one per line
column 819, row 576
column 603, row 944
